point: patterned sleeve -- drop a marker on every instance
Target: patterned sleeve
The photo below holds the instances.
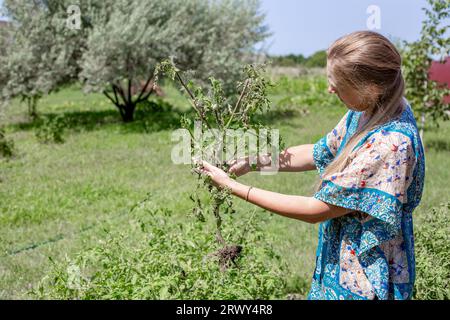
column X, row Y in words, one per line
column 375, row 182
column 326, row 148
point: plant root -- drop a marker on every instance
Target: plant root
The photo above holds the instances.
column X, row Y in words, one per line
column 227, row 256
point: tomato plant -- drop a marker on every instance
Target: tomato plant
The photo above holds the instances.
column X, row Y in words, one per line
column 221, row 116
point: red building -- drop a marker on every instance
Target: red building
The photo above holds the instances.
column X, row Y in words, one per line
column 440, row 72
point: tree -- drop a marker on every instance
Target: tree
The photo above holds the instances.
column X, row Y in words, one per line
column 5, row 42
column 290, row 60
column 126, row 42
column 318, row 59
column 425, row 95
column 39, row 55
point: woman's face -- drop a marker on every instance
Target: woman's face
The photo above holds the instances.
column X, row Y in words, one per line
column 348, row 96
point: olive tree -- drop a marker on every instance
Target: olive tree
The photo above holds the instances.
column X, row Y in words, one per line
column 125, row 43
column 426, row 95
column 40, row 52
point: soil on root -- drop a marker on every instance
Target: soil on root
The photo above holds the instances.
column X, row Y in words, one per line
column 227, row 256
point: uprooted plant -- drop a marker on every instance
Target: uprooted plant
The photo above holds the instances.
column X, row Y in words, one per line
column 226, row 123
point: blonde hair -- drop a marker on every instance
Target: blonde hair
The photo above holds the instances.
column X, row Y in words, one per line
column 369, row 64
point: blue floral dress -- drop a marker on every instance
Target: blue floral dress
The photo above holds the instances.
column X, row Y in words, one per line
column 369, row 253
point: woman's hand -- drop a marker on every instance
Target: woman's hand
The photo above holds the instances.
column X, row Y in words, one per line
column 240, row 166
column 219, row 178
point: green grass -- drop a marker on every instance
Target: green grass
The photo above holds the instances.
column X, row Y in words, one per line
column 56, row 198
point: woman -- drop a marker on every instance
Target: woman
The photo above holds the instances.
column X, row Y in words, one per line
column 371, row 167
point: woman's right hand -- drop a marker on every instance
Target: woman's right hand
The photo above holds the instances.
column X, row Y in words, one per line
column 240, row 166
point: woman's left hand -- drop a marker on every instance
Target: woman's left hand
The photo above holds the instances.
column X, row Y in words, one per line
column 219, row 177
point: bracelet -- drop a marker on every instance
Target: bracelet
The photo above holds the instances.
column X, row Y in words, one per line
column 248, row 192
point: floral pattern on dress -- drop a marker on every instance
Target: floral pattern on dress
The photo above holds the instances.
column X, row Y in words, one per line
column 352, row 276
column 382, row 185
column 395, row 253
column 326, row 149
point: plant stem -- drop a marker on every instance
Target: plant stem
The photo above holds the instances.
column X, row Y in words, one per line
column 216, row 210
column 238, row 103
column 199, row 112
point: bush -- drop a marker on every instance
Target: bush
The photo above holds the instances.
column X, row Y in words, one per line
column 6, row 145
column 432, row 237
column 303, row 91
column 51, row 130
column 161, row 258
column 318, row 59
column 157, row 115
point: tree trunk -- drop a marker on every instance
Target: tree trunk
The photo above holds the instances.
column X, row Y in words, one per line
column 31, row 103
column 126, row 109
column 128, row 113
column 123, row 98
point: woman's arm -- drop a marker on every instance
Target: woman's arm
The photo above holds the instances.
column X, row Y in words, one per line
column 299, row 158
column 293, row 159
column 307, row 209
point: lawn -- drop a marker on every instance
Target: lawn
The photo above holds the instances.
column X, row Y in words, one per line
column 55, row 199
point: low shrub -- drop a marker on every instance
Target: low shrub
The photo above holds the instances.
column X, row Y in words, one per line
column 6, row 145
column 432, row 245
column 157, row 115
column 303, row 91
column 160, row 258
column 51, row 130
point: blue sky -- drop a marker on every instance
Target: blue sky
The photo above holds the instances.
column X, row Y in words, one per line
column 305, row 26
